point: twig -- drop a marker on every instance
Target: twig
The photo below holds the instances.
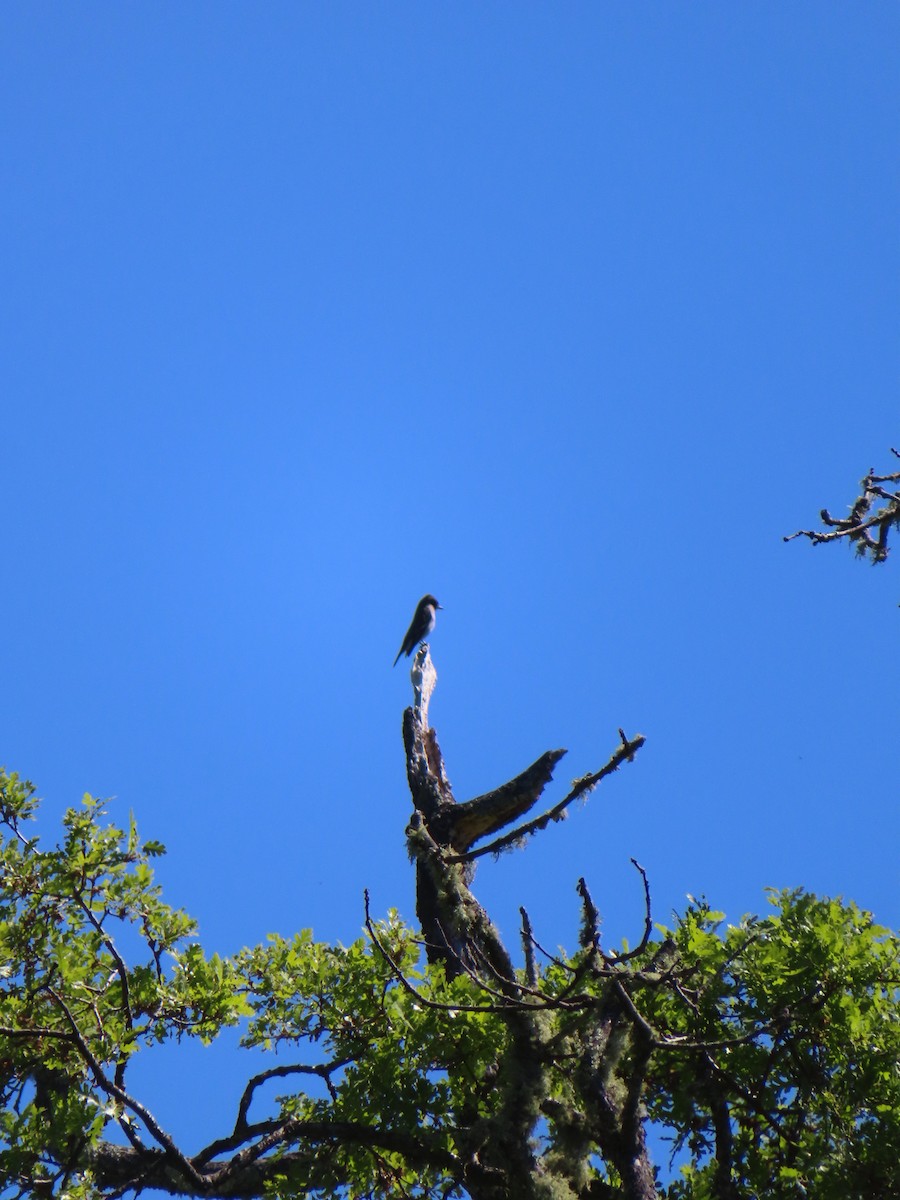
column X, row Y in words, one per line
column 648, row 923
column 557, row 962
column 36, row 1031
column 853, row 530
column 397, row 972
column 120, row 965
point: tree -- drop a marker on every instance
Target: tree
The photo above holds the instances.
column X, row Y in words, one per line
column 766, row 1051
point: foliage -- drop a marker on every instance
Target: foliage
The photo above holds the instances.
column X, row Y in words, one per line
column 767, row 1051
column 813, row 1103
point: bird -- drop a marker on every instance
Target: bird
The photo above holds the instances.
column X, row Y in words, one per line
column 420, row 627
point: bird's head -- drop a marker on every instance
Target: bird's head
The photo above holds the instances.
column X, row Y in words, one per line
column 429, row 601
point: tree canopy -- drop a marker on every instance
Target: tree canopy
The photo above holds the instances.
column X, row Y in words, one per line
column 710, row 1060
column 757, row 1059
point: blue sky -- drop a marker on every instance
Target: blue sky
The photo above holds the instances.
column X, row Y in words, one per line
column 564, row 313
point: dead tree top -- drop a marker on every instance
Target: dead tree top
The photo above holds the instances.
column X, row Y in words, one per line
column 443, row 833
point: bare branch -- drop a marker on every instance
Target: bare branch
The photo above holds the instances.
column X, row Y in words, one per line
column 485, row 814
column 648, row 923
column 857, row 526
column 243, row 1131
column 625, row 753
column 590, row 920
column 531, row 973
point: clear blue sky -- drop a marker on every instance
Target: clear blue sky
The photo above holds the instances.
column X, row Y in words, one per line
column 565, row 313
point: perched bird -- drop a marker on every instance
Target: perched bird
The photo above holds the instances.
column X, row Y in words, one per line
column 422, row 624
